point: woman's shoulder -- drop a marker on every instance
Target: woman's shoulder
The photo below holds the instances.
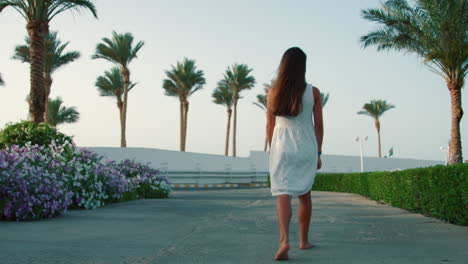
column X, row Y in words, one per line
column 315, row 90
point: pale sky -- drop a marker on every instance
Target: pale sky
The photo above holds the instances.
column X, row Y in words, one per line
column 218, row 33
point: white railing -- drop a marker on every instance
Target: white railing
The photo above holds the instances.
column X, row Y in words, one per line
column 215, row 177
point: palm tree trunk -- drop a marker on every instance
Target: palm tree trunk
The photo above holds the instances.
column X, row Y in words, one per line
column 120, row 107
column 234, row 129
column 455, row 147
column 126, row 79
column 181, row 126
column 377, row 125
column 36, row 32
column 48, row 84
column 123, row 141
column 186, row 107
column 228, row 128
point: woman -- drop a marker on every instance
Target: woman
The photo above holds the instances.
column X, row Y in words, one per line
column 295, row 144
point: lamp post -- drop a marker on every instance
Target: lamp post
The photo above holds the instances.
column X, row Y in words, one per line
column 445, row 150
column 360, row 139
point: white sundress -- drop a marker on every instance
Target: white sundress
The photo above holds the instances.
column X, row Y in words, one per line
column 294, row 151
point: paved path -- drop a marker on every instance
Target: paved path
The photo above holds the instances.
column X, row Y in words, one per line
column 232, row 226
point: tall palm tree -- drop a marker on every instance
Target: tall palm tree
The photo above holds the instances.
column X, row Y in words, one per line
column 1, row 81
column 111, row 84
column 60, row 114
column 182, row 81
column 324, row 98
column 222, row 95
column 375, row 109
column 435, row 30
column 262, row 104
column 121, row 51
column 38, row 14
column 55, row 57
column 239, row 79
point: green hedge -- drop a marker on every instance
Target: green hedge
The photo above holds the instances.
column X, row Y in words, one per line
column 29, row 132
column 440, row 191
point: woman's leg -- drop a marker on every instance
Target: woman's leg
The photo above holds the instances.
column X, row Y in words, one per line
column 283, row 206
column 304, row 214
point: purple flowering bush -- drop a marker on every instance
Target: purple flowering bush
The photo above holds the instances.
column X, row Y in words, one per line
column 40, row 182
column 96, row 182
column 146, row 179
column 29, row 186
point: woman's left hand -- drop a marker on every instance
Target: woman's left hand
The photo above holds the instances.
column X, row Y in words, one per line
column 319, row 164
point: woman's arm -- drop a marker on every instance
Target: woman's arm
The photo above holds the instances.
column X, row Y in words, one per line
column 270, row 120
column 318, row 118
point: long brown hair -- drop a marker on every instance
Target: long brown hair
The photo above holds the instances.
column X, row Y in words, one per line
column 286, row 97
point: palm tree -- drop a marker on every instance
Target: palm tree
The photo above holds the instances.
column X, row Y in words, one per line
column 38, row 14
column 262, row 104
column 1, row 81
column 182, row 81
column 60, row 114
column 262, row 98
column 435, row 30
column 261, row 101
column 54, row 58
column 121, row 51
column 239, row 79
column 375, row 109
column 223, row 96
column 324, row 98
column 111, row 84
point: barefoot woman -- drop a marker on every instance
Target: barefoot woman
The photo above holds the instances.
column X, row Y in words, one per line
column 295, row 133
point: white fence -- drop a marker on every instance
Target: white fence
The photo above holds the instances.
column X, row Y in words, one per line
column 215, row 177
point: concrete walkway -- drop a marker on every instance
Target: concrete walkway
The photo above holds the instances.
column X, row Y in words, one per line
column 232, row 226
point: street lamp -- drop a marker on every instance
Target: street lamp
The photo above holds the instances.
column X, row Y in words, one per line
column 360, row 139
column 445, row 150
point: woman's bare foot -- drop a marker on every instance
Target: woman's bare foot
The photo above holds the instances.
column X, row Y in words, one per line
column 282, row 253
column 306, row 245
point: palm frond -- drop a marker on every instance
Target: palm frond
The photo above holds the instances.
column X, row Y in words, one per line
column 131, row 86
column 119, row 49
column 261, row 101
column 46, row 10
column 183, row 79
column 111, row 84
column 64, row 59
column 55, row 56
column 376, row 108
column 60, row 114
column 222, row 95
column 59, row 6
column 21, row 6
column 261, row 106
column 435, row 30
column 239, row 78
column 324, row 98
column 22, row 52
